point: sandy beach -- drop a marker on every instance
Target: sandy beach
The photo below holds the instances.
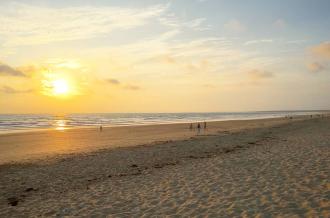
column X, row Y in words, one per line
column 28, row 146
column 254, row 168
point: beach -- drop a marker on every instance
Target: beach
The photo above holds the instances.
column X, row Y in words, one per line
column 247, row 168
column 31, row 145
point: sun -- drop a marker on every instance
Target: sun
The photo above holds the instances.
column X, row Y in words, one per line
column 57, row 87
column 60, row 87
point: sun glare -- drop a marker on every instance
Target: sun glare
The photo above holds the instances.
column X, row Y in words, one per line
column 60, row 87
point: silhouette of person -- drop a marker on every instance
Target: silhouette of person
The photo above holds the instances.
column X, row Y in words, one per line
column 101, row 128
column 204, row 125
column 198, row 128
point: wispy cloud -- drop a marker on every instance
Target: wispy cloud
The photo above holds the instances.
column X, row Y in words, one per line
column 6, row 70
column 320, row 59
column 113, row 81
column 132, row 87
column 254, row 77
column 297, row 42
column 256, row 74
column 116, row 82
column 322, row 50
column 203, row 55
column 162, row 53
column 251, row 42
column 315, row 67
column 23, row 24
column 10, row 90
column 173, row 21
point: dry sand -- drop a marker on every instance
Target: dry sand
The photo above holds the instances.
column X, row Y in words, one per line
column 274, row 167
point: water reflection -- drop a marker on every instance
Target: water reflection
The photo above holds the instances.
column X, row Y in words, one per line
column 60, row 125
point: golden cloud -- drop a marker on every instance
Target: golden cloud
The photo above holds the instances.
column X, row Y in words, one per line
column 322, row 50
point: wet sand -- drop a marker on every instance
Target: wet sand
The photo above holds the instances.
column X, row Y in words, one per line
column 276, row 167
column 18, row 147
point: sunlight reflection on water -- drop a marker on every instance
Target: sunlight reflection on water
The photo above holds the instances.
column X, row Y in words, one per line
column 60, row 125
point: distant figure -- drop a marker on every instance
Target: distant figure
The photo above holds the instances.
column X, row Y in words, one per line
column 198, row 128
column 311, row 116
column 204, row 125
column 191, row 127
column 101, row 128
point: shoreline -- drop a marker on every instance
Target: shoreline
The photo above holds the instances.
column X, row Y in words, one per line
column 91, row 127
column 35, row 145
column 28, row 130
column 127, row 125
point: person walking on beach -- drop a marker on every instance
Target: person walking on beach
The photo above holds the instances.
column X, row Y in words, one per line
column 204, row 125
column 101, row 128
column 198, row 128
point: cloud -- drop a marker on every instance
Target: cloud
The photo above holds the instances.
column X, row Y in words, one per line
column 235, row 26
column 6, row 70
column 30, row 69
column 10, row 90
column 170, row 20
column 280, row 23
column 257, row 77
column 321, row 56
column 23, row 24
column 64, row 64
column 197, row 24
column 260, row 74
column 116, row 82
column 299, row 41
column 315, row 67
column 132, row 87
column 187, row 57
column 322, row 50
column 258, row 41
column 156, row 52
column 169, row 34
column 113, row 81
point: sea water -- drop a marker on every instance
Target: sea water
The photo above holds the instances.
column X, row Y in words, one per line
column 26, row 122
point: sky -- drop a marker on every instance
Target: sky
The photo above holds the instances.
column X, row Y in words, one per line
column 164, row 56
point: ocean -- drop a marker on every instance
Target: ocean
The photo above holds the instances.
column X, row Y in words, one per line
column 27, row 122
